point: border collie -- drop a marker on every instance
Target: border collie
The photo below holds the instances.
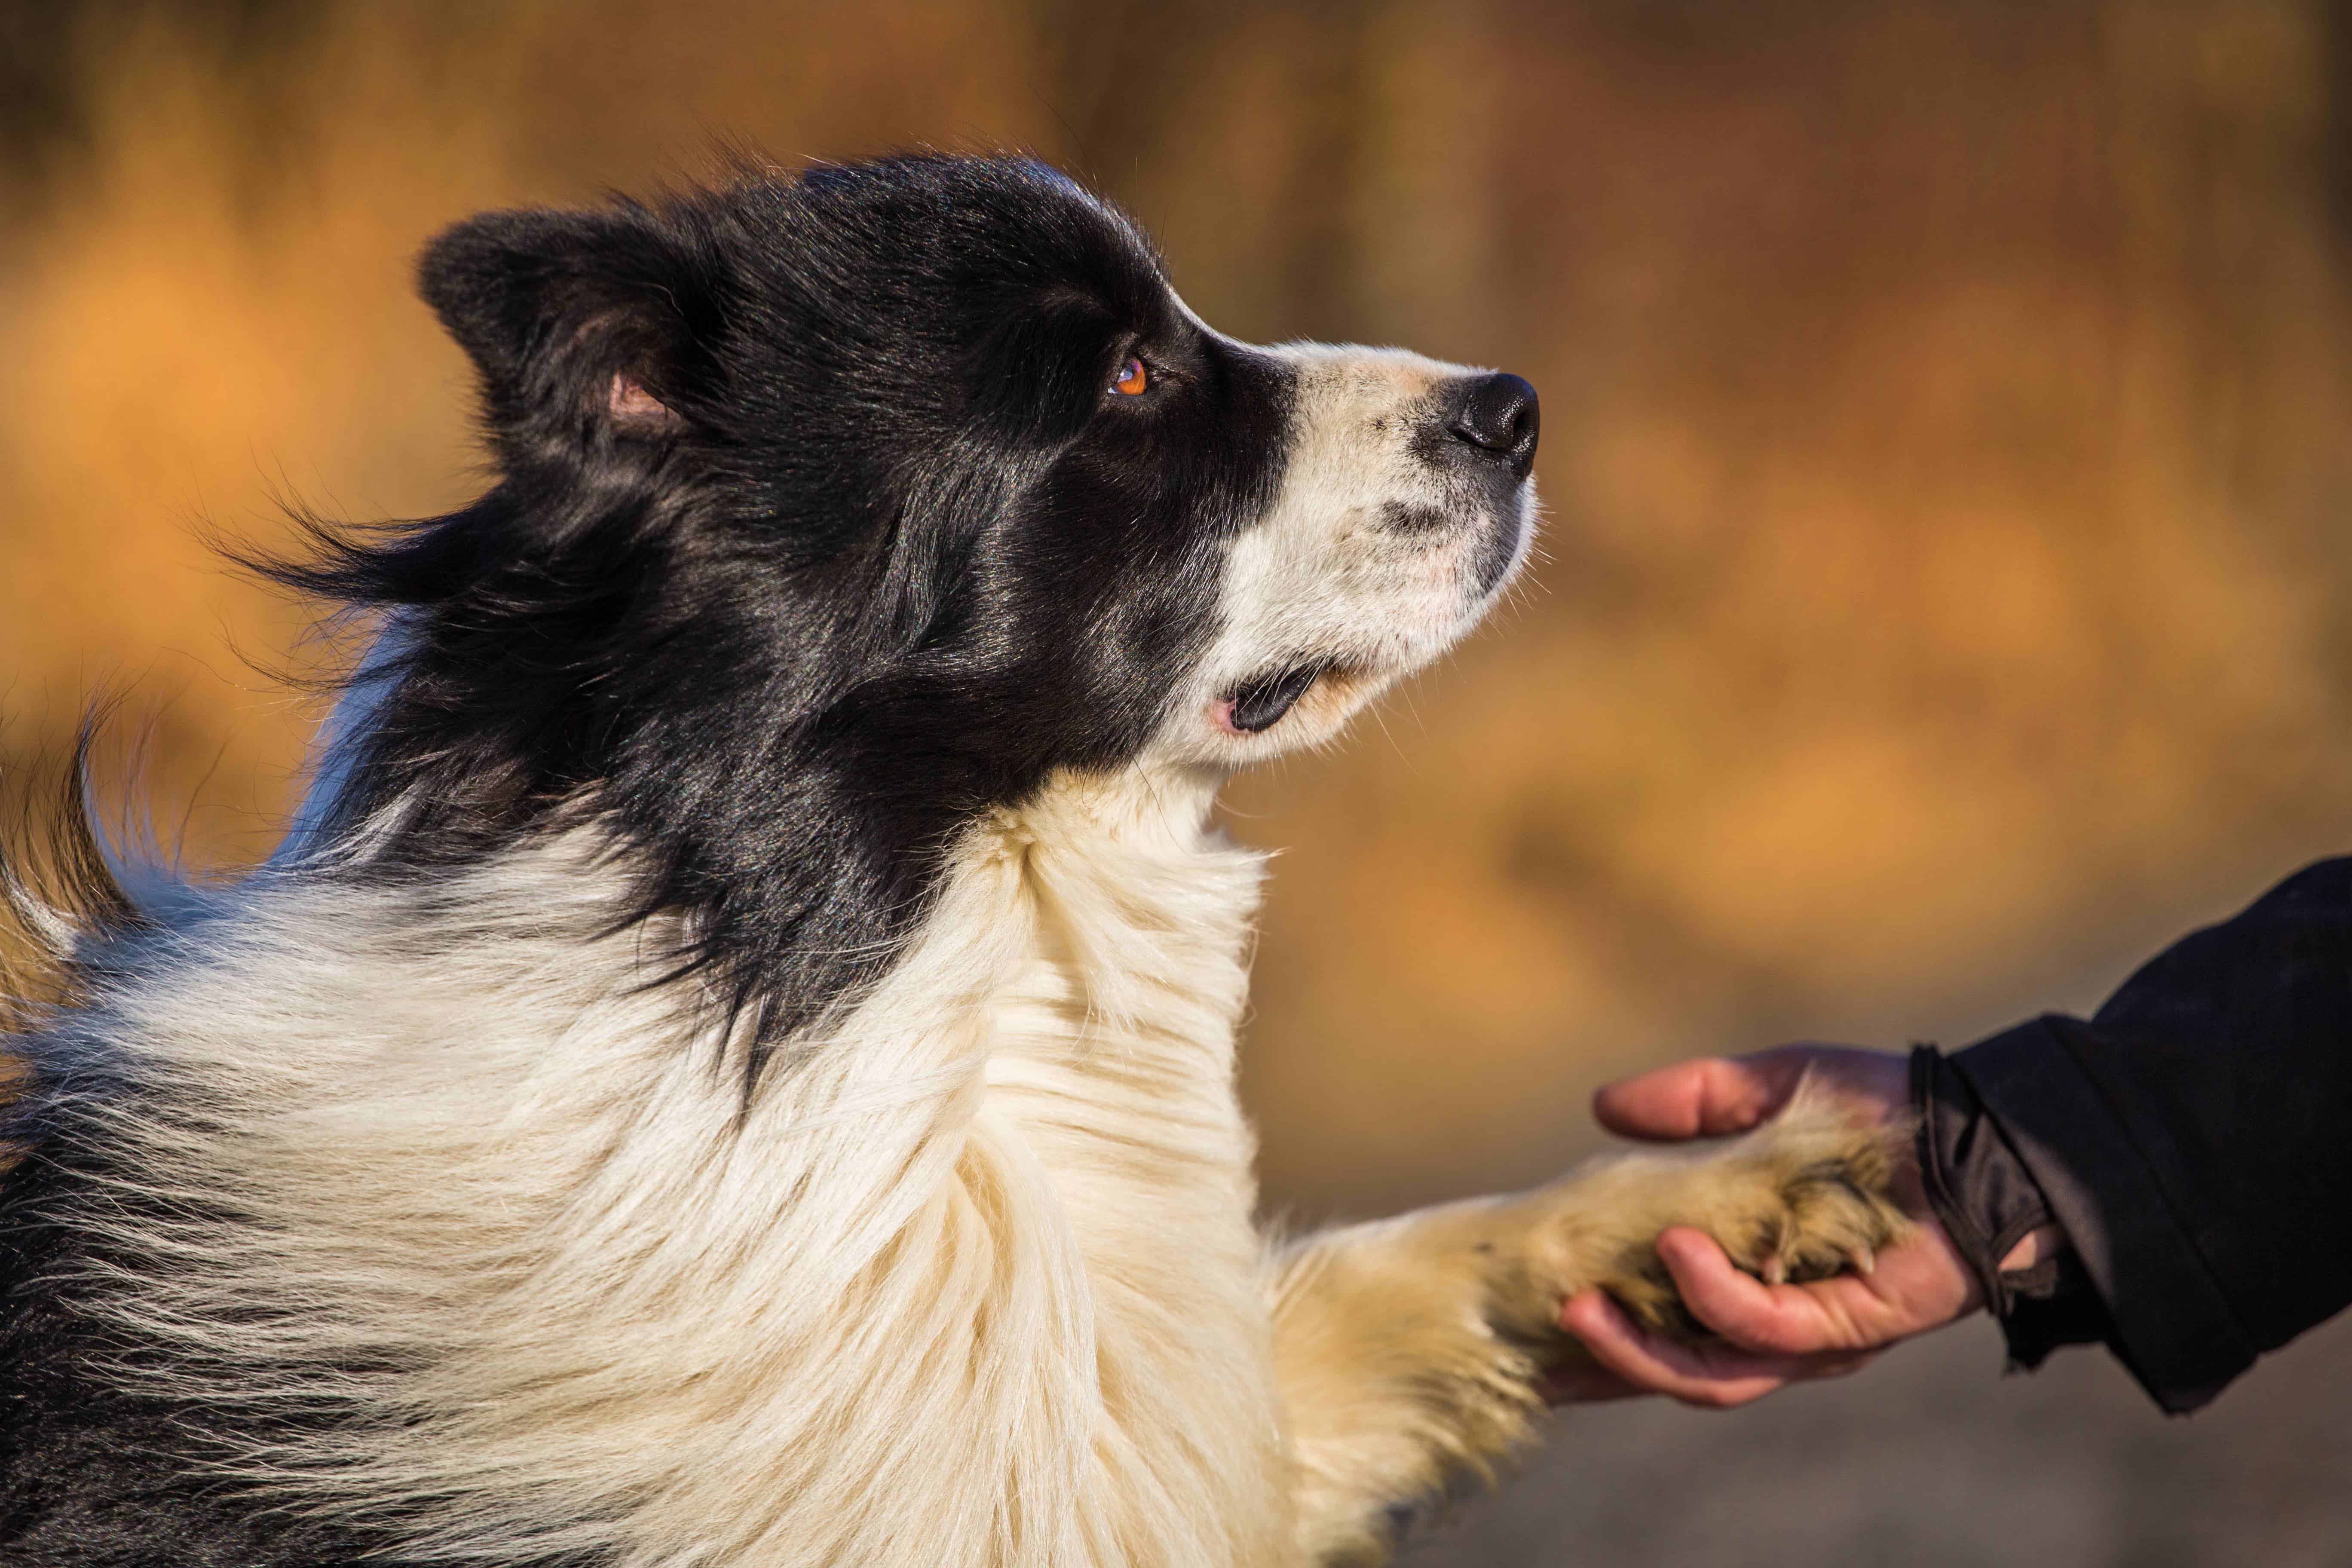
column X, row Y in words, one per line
column 735, row 1065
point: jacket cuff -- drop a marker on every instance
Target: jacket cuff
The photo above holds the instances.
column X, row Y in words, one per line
column 1988, row 1202
column 2171, row 1323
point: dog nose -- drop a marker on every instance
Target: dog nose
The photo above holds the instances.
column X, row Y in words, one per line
column 1497, row 414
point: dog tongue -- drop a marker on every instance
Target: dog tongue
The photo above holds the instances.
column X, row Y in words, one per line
column 1261, row 704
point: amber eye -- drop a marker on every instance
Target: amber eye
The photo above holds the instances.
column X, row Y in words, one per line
column 1132, row 379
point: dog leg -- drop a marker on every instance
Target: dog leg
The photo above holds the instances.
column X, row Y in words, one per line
column 1410, row 1350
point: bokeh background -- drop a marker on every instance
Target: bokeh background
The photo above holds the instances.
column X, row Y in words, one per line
column 1947, row 592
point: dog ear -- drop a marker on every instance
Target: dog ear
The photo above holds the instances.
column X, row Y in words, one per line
column 586, row 327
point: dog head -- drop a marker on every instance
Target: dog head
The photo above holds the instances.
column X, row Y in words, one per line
column 835, row 510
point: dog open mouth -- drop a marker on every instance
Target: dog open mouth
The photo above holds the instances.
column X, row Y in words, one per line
column 1257, row 706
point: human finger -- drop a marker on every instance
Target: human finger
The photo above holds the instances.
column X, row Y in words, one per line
column 1706, row 1098
column 1918, row 1284
column 1711, row 1376
column 1835, row 1315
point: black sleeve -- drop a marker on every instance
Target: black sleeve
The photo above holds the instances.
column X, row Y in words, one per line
column 2192, row 1139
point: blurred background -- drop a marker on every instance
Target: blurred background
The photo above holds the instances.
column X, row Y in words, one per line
column 1946, row 600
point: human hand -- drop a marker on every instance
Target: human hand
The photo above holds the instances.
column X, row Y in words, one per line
column 1772, row 1335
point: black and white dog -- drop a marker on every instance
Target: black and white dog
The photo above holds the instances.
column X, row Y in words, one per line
column 736, row 1064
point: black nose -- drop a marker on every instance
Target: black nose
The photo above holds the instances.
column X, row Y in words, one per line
column 1497, row 414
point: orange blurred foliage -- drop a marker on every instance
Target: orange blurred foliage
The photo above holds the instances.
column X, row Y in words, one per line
column 1944, row 594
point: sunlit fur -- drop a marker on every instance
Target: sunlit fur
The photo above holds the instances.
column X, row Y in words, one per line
column 483, row 1180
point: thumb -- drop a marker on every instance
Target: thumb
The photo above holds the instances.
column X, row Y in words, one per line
column 1706, row 1098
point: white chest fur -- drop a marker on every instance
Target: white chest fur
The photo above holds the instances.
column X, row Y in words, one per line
column 972, row 1280
column 1111, row 1066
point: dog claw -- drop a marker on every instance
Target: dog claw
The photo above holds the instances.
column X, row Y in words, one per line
column 1776, row 1271
column 1864, row 1259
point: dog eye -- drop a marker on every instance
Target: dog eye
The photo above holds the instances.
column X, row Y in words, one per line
column 1132, row 379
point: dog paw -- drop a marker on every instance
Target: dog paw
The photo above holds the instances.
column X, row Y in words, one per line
column 1806, row 1196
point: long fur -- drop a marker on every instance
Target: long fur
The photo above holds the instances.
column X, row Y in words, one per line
column 494, row 1163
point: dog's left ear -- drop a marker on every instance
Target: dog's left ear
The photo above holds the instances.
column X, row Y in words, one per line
column 586, row 327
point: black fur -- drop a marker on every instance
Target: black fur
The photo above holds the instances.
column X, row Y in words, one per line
column 899, row 554
column 888, row 553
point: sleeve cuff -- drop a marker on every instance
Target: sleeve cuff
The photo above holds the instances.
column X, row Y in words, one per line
column 1987, row 1201
column 2172, row 1327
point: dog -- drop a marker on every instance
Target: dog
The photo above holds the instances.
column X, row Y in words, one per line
column 735, row 1063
